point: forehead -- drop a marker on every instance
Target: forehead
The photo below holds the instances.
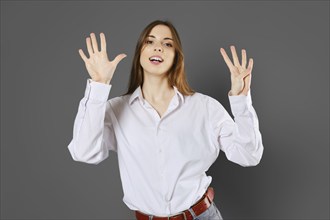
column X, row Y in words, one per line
column 161, row 31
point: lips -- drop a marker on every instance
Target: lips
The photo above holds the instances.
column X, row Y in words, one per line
column 156, row 59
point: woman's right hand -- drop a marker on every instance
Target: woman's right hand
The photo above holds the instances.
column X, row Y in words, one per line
column 98, row 65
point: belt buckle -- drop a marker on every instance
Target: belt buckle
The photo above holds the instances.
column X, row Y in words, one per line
column 184, row 215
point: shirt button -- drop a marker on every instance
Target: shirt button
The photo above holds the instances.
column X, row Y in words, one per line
column 160, row 150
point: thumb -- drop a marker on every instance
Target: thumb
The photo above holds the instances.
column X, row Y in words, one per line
column 119, row 58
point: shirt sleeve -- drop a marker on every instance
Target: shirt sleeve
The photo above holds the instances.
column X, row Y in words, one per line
column 93, row 133
column 240, row 139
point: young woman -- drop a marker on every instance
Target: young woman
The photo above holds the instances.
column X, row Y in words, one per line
column 165, row 134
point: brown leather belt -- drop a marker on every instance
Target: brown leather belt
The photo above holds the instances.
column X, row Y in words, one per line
column 199, row 207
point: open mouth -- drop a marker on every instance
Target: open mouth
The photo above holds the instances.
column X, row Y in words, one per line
column 156, row 59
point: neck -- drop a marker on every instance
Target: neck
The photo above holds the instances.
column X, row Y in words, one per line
column 156, row 88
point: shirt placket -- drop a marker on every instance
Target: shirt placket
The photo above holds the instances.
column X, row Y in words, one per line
column 161, row 156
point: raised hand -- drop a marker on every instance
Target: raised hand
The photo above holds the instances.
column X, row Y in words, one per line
column 98, row 65
column 240, row 75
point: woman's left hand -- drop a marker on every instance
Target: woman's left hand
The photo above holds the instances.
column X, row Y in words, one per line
column 240, row 75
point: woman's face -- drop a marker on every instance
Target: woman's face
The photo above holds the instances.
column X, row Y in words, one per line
column 157, row 54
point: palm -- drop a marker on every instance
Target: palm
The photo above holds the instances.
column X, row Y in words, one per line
column 240, row 75
column 98, row 65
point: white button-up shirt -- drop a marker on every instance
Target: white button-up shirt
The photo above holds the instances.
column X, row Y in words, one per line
column 163, row 160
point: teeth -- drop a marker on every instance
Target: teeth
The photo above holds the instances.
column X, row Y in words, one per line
column 155, row 58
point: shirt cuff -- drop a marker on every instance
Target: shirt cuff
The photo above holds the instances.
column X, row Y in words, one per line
column 239, row 103
column 97, row 91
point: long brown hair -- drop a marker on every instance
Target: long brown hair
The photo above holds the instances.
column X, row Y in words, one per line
column 176, row 74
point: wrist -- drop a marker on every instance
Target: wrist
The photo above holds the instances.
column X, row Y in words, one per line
column 231, row 93
column 103, row 81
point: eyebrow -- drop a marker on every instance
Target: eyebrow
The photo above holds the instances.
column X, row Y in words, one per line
column 165, row 38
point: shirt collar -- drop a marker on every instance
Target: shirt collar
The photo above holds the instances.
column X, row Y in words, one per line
column 138, row 94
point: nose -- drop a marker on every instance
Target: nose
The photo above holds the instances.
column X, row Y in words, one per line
column 158, row 47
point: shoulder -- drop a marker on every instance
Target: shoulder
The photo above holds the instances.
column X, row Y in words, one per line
column 119, row 102
column 204, row 99
column 119, row 99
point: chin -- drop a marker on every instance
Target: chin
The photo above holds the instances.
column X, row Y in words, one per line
column 158, row 70
column 155, row 73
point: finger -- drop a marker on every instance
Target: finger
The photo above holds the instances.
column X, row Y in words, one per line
column 82, row 54
column 250, row 65
column 94, row 43
column 244, row 58
column 234, row 54
column 248, row 70
column 89, row 46
column 103, row 42
column 226, row 58
column 119, row 58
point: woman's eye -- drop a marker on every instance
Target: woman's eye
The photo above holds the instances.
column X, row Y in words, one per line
column 167, row 44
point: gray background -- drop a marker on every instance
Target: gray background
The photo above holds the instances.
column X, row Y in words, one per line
column 43, row 79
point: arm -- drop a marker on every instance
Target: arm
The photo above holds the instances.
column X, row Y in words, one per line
column 241, row 139
column 93, row 134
